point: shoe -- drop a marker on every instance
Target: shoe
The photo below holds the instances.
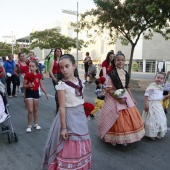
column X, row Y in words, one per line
column 165, row 110
column 14, row 95
column 159, row 137
column 124, row 144
column 37, row 127
column 114, row 144
column 91, row 115
column 90, row 82
column 10, row 96
column 28, row 130
column 152, row 138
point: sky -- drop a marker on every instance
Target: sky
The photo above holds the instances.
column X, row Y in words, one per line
column 20, row 17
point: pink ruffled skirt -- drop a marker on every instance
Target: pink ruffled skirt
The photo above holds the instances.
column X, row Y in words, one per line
column 76, row 155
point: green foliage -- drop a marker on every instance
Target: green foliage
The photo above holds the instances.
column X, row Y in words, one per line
column 5, row 49
column 51, row 38
column 135, row 66
column 128, row 20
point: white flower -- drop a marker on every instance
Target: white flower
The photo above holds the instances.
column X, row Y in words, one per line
column 119, row 93
column 9, row 74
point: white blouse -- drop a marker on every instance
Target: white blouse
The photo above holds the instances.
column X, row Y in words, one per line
column 154, row 94
column 70, row 96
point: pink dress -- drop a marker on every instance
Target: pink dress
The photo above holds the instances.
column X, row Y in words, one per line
column 119, row 123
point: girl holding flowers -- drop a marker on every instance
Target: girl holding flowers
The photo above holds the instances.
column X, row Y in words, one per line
column 120, row 121
column 32, row 81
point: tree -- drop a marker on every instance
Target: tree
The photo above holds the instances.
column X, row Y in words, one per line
column 5, row 49
column 128, row 20
column 51, row 38
column 18, row 49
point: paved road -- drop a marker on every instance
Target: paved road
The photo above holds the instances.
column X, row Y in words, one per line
column 134, row 75
column 27, row 153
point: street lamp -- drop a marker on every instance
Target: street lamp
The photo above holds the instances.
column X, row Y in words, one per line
column 10, row 36
column 76, row 14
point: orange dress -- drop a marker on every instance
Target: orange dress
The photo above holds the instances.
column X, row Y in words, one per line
column 120, row 123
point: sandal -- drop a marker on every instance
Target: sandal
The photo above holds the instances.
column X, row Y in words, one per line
column 37, row 127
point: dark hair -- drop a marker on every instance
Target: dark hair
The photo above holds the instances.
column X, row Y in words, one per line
column 19, row 54
column 118, row 54
column 3, row 58
column 108, row 57
column 57, row 48
column 160, row 73
column 97, row 82
column 36, row 64
column 73, row 61
column 68, row 56
column 90, row 61
column 114, row 59
column 87, row 53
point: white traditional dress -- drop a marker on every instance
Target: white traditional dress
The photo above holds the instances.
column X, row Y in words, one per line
column 154, row 120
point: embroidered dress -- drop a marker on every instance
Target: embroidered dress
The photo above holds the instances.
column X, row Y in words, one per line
column 74, row 153
column 155, row 119
column 119, row 123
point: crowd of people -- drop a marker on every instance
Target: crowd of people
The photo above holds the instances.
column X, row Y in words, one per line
column 68, row 145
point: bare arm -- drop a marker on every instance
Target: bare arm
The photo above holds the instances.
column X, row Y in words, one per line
column 62, row 112
column 104, row 71
column 51, row 68
column 15, row 71
column 129, row 91
column 146, row 104
column 43, row 88
column 26, row 86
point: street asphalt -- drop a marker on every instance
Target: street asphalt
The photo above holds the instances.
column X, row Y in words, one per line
column 26, row 154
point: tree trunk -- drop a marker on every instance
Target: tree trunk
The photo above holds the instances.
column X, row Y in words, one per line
column 131, row 59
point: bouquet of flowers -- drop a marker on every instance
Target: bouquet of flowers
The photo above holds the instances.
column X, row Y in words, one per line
column 102, row 80
column 88, row 107
column 119, row 93
column 31, row 77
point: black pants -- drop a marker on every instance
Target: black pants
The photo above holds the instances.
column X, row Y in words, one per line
column 58, row 77
column 8, row 81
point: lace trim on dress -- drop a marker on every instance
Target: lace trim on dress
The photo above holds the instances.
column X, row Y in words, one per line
column 60, row 86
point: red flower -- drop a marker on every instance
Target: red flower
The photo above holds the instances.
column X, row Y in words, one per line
column 102, row 80
column 88, row 107
column 31, row 77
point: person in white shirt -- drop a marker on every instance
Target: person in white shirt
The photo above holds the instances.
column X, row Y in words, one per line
column 154, row 118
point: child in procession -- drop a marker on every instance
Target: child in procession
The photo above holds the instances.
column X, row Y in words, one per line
column 153, row 116
column 68, row 145
column 166, row 90
column 32, row 81
column 120, row 121
column 100, row 93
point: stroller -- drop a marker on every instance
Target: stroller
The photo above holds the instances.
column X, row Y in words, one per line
column 5, row 121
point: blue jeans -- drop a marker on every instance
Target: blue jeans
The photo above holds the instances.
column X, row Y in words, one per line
column 2, row 80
